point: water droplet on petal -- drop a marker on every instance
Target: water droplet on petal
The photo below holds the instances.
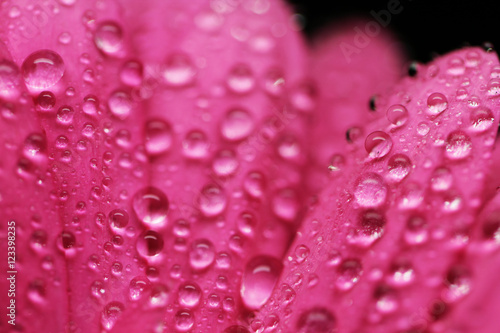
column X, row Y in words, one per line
column 397, row 114
column 458, row 145
column 90, row 105
column 158, row 137
column 189, row 295
column 378, row 144
column 201, row 255
column 42, row 69
column 159, row 296
column 371, row 228
column 151, row 206
column 108, row 37
column 246, row 223
column 416, row 230
column 441, row 179
column 349, row 272
column 240, row 79
column 131, row 73
column 184, row 320
column 458, row 284
column 65, row 115
column 225, row 163
column 120, row 104
column 399, row 166
column 370, row 191
column 285, row 205
column 118, row 219
column 236, row 329
column 237, row 125
column 260, row 275
column 212, row 201
column 179, row 71
column 481, row 119
column 138, row 287
column 317, row 320
column 110, row 315
column 254, row 184
column 149, row 244
column 195, row 145
column 436, row 103
column 10, row 80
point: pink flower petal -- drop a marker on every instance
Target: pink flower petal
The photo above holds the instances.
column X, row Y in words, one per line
column 375, row 254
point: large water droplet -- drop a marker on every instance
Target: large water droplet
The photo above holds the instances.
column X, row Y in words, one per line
column 42, row 69
column 370, row 190
column 225, row 163
column 436, row 103
column 65, row 115
column 372, row 225
column 260, row 275
column 441, row 179
column 35, row 147
column 317, row 320
column 149, row 244
column 111, row 313
column 212, row 200
column 131, row 73
column 378, row 144
column 458, row 284
column 201, row 255
column 158, row 137
column 151, row 206
column 45, row 101
column 189, row 295
column 108, row 37
column 237, row 125
column 458, row 145
column 159, row 296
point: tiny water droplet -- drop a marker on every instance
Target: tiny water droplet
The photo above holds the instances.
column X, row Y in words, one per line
column 10, row 80
column 179, row 71
column 399, row 166
column 184, row 320
column 225, row 163
column 120, row 104
column 195, row 145
column 131, row 73
column 110, row 315
column 349, row 272
column 237, row 125
column 189, row 295
column 201, row 255
column 254, row 184
column 212, row 200
column 240, row 79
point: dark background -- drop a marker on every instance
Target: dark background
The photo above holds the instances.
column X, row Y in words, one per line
column 426, row 28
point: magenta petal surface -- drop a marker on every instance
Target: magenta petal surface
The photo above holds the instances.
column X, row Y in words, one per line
column 382, row 251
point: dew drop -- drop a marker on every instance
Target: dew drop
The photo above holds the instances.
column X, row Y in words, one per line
column 397, row 114
column 225, row 163
column 456, row 67
column 254, row 184
column 131, row 73
column 378, row 144
column 316, row 320
column 65, row 115
column 120, row 104
column 108, row 37
column 118, row 219
column 237, row 125
column 370, row 191
column 371, row 229
column 481, row 119
column 149, row 244
column 10, row 80
column 138, row 287
column 212, row 200
column 246, row 223
column 158, row 137
column 42, row 69
column 349, row 272
column 90, row 105
column 110, row 315
column 458, row 146
column 441, row 179
column 159, row 296
column 458, row 284
column 184, row 320
column 189, row 295
column 240, row 79
column 399, row 166
column 151, row 206
column 385, row 299
column 195, row 145
column 236, row 329
column 285, row 205
column 45, row 101
column 436, row 103
column 260, row 275
column 35, row 147
column 201, row 254
column 494, row 87
column 179, row 71
column 416, row 230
